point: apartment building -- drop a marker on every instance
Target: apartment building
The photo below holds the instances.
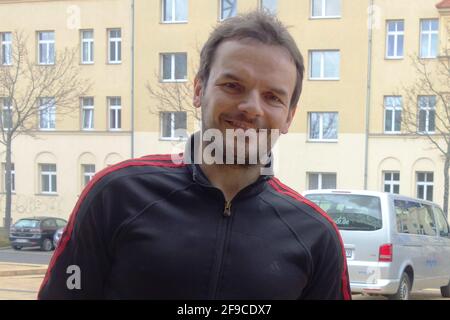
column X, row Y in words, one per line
column 346, row 133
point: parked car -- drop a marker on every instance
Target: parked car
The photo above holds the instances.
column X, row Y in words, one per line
column 394, row 244
column 35, row 232
column 57, row 237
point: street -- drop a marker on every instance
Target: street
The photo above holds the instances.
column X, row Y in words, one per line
column 26, row 255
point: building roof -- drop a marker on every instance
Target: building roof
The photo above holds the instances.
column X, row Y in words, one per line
column 444, row 4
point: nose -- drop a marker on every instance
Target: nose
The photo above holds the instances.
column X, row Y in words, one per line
column 252, row 104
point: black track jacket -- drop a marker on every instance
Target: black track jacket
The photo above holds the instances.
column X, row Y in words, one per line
column 152, row 228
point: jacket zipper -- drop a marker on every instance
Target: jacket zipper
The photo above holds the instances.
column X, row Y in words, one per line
column 223, row 240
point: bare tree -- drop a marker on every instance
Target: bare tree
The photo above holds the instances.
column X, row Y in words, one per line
column 32, row 95
column 172, row 96
column 426, row 111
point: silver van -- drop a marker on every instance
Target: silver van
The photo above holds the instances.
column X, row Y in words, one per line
column 394, row 244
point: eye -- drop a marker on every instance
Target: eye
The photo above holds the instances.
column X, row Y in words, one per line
column 274, row 99
column 232, row 86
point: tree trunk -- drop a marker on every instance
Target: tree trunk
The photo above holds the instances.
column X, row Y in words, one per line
column 8, row 182
column 446, row 182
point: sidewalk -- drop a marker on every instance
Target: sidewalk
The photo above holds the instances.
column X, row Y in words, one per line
column 20, row 281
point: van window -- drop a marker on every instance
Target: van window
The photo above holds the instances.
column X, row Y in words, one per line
column 27, row 223
column 350, row 212
column 441, row 222
column 414, row 218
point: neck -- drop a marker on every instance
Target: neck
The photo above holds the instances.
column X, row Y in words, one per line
column 231, row 178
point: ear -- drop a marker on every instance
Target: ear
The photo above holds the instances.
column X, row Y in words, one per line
column 291, row 113
column 198, row 92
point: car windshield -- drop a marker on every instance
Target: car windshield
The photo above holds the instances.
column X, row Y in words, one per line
column 350, row 212
column 27, row 223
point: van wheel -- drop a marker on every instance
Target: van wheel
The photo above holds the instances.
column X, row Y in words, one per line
column 46, row 245
column 445, row 290
column 17, row 247
column 404, row 289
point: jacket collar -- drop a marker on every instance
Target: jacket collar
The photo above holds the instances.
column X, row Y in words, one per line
column 193, row 155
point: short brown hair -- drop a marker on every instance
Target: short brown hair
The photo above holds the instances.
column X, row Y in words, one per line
column 257, row 25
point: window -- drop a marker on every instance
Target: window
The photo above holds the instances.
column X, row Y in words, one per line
column 391, row 182
column 269, row 5
column 115, row 113
column 394, row 39
column 427, row 114
column 47, row 113
column 429, row 38
column 6, row 119
column 324, row 65
column 6, row 48
column 46, row 46
column 321, row 181
column 175, row 10
column 48, row 178
column 87, row 113
column 115, row 46
column 49, row 223
column 88, row 173
column 87, row 46
column 174, row 66
column 13, row 177
column 170, row 122
column 61, row 223
column 392, row 114
column 227, row 9
column 441, row 222
column 414, row 218
column 325, row 8
column 425, row 185
column 323, row 126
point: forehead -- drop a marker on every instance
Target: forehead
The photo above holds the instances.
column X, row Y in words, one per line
column 250, row 58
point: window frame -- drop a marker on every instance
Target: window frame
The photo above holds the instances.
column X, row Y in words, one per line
column 396, row 35
column 321, row 139
column 5, row 110
column 430, row 33
column 47, row 44
column 425, row 184
column 91, row 49
column 322, row 76
column 49, row 174
column 87, row 108
column 85, row 174
column 117, row 109
column 394, row 109
column 323, row 16
column 221, row 18
column 172, row 67
column 320, row 180
column 172, row 126
column 50, row 111
column 263, row 7
column 173, row 13
column 391, row 183
column 7, row 44
column 118, row 42
column 427, row 109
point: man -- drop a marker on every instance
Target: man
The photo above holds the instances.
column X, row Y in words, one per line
column 155, row 228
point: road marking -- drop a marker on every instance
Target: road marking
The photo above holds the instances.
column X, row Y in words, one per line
column 17, row 290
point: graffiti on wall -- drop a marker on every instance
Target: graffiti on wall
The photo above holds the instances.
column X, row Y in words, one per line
column 26, row 206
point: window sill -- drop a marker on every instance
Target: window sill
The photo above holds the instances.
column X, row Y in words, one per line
column 172, row 139
column 394, row 58
column 428, row 58
column 114, row 63
column 47, row 194
column 47, row 130
column 87, row 63
column 174, row 80
column 46, row 64
column 324, row 79
column 174, row 22
column 12, row 193
column 321, row 141
column 324, row 17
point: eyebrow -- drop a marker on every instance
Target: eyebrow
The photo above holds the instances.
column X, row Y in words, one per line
column 234, row 77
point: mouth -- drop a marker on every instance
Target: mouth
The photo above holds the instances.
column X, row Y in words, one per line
column 236, row 124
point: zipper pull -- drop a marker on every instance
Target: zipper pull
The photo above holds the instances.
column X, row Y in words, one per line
column 227, row 211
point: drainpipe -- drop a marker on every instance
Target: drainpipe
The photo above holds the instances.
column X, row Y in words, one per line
column 368, row 95
column 132, row 76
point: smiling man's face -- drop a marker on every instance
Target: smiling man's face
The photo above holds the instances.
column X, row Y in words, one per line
column 250, row 86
